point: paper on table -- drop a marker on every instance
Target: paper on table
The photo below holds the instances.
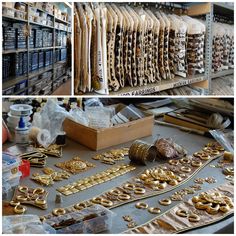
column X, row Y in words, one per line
column 160, row 111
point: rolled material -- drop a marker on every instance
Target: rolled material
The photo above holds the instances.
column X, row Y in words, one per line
column 141, row 152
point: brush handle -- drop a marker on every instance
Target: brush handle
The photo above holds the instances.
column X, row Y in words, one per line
column 180, row 127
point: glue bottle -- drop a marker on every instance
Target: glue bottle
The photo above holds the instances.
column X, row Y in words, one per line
column 21, row 133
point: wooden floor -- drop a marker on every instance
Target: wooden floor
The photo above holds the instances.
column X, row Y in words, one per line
column 64, row 89
column 223, row 85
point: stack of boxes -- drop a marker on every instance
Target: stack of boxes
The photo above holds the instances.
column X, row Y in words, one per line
column 38, row 38
column 63, row 54
column 20, row 63
column 41, row 59
column 14, row 37
column 21, row 37
column 6, row 64
column 9, row 35
column 47, row 38
column 57, row 55
column 14, row 65
column 48, row 58
column 60, row 39
column 34, row 63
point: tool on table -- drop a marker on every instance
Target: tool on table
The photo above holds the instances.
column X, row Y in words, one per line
column 180, row 127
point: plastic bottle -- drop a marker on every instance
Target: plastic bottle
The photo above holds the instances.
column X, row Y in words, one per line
column 21, row 133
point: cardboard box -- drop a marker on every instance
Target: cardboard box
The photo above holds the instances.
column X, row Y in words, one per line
column 97, row 139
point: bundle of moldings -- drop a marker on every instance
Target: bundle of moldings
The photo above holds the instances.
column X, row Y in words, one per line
column 168, row 149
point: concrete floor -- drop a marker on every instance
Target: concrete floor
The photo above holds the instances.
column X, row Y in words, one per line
column 64, row 89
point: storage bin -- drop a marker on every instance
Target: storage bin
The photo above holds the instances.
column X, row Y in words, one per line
column 6, row 11
column 6, row 189
column 9, row 90
column 48, row 91
column 23, row 93
column 10, row 165
column 97, row 139
column 21, row 38
column 21, row 85
column 8, row 4
column 91, row 220
column 9, row 38
column 13, row 180
column 30, row 90
column 33, row 80
column 31, row 18
column 20, row 14
column 38, row 86
column 32, row 10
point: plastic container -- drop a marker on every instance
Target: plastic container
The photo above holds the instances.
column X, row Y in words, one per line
column 25, row 224
column 13, row 180
column 30, row 90
column 6, row 11
column 38, row 86
column 21, row 85
column 33, row 80
column 23, row 93
column 31, row 18
column 24, row 168
column 20, row 14
column 21, row 110
column 6, row 189
column 92, row 220
column 9, row 91
column 10, row 165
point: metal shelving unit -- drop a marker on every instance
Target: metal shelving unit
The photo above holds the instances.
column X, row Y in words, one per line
column 15, row 80
column 209, row 9
column 158, row 87
column 202, row 81
column 222, row 73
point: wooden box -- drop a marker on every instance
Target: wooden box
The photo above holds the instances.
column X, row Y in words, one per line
column 97, row 139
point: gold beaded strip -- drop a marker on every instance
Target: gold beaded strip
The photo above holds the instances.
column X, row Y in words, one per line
column 96, row 179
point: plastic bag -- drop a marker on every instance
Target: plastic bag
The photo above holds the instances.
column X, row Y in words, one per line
column 79, row 116
column 127, row 114
column 49, row 120
column 224, row 138
column 168, row 149
column 93, row 102
column 25, row 224
column 99, row 117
